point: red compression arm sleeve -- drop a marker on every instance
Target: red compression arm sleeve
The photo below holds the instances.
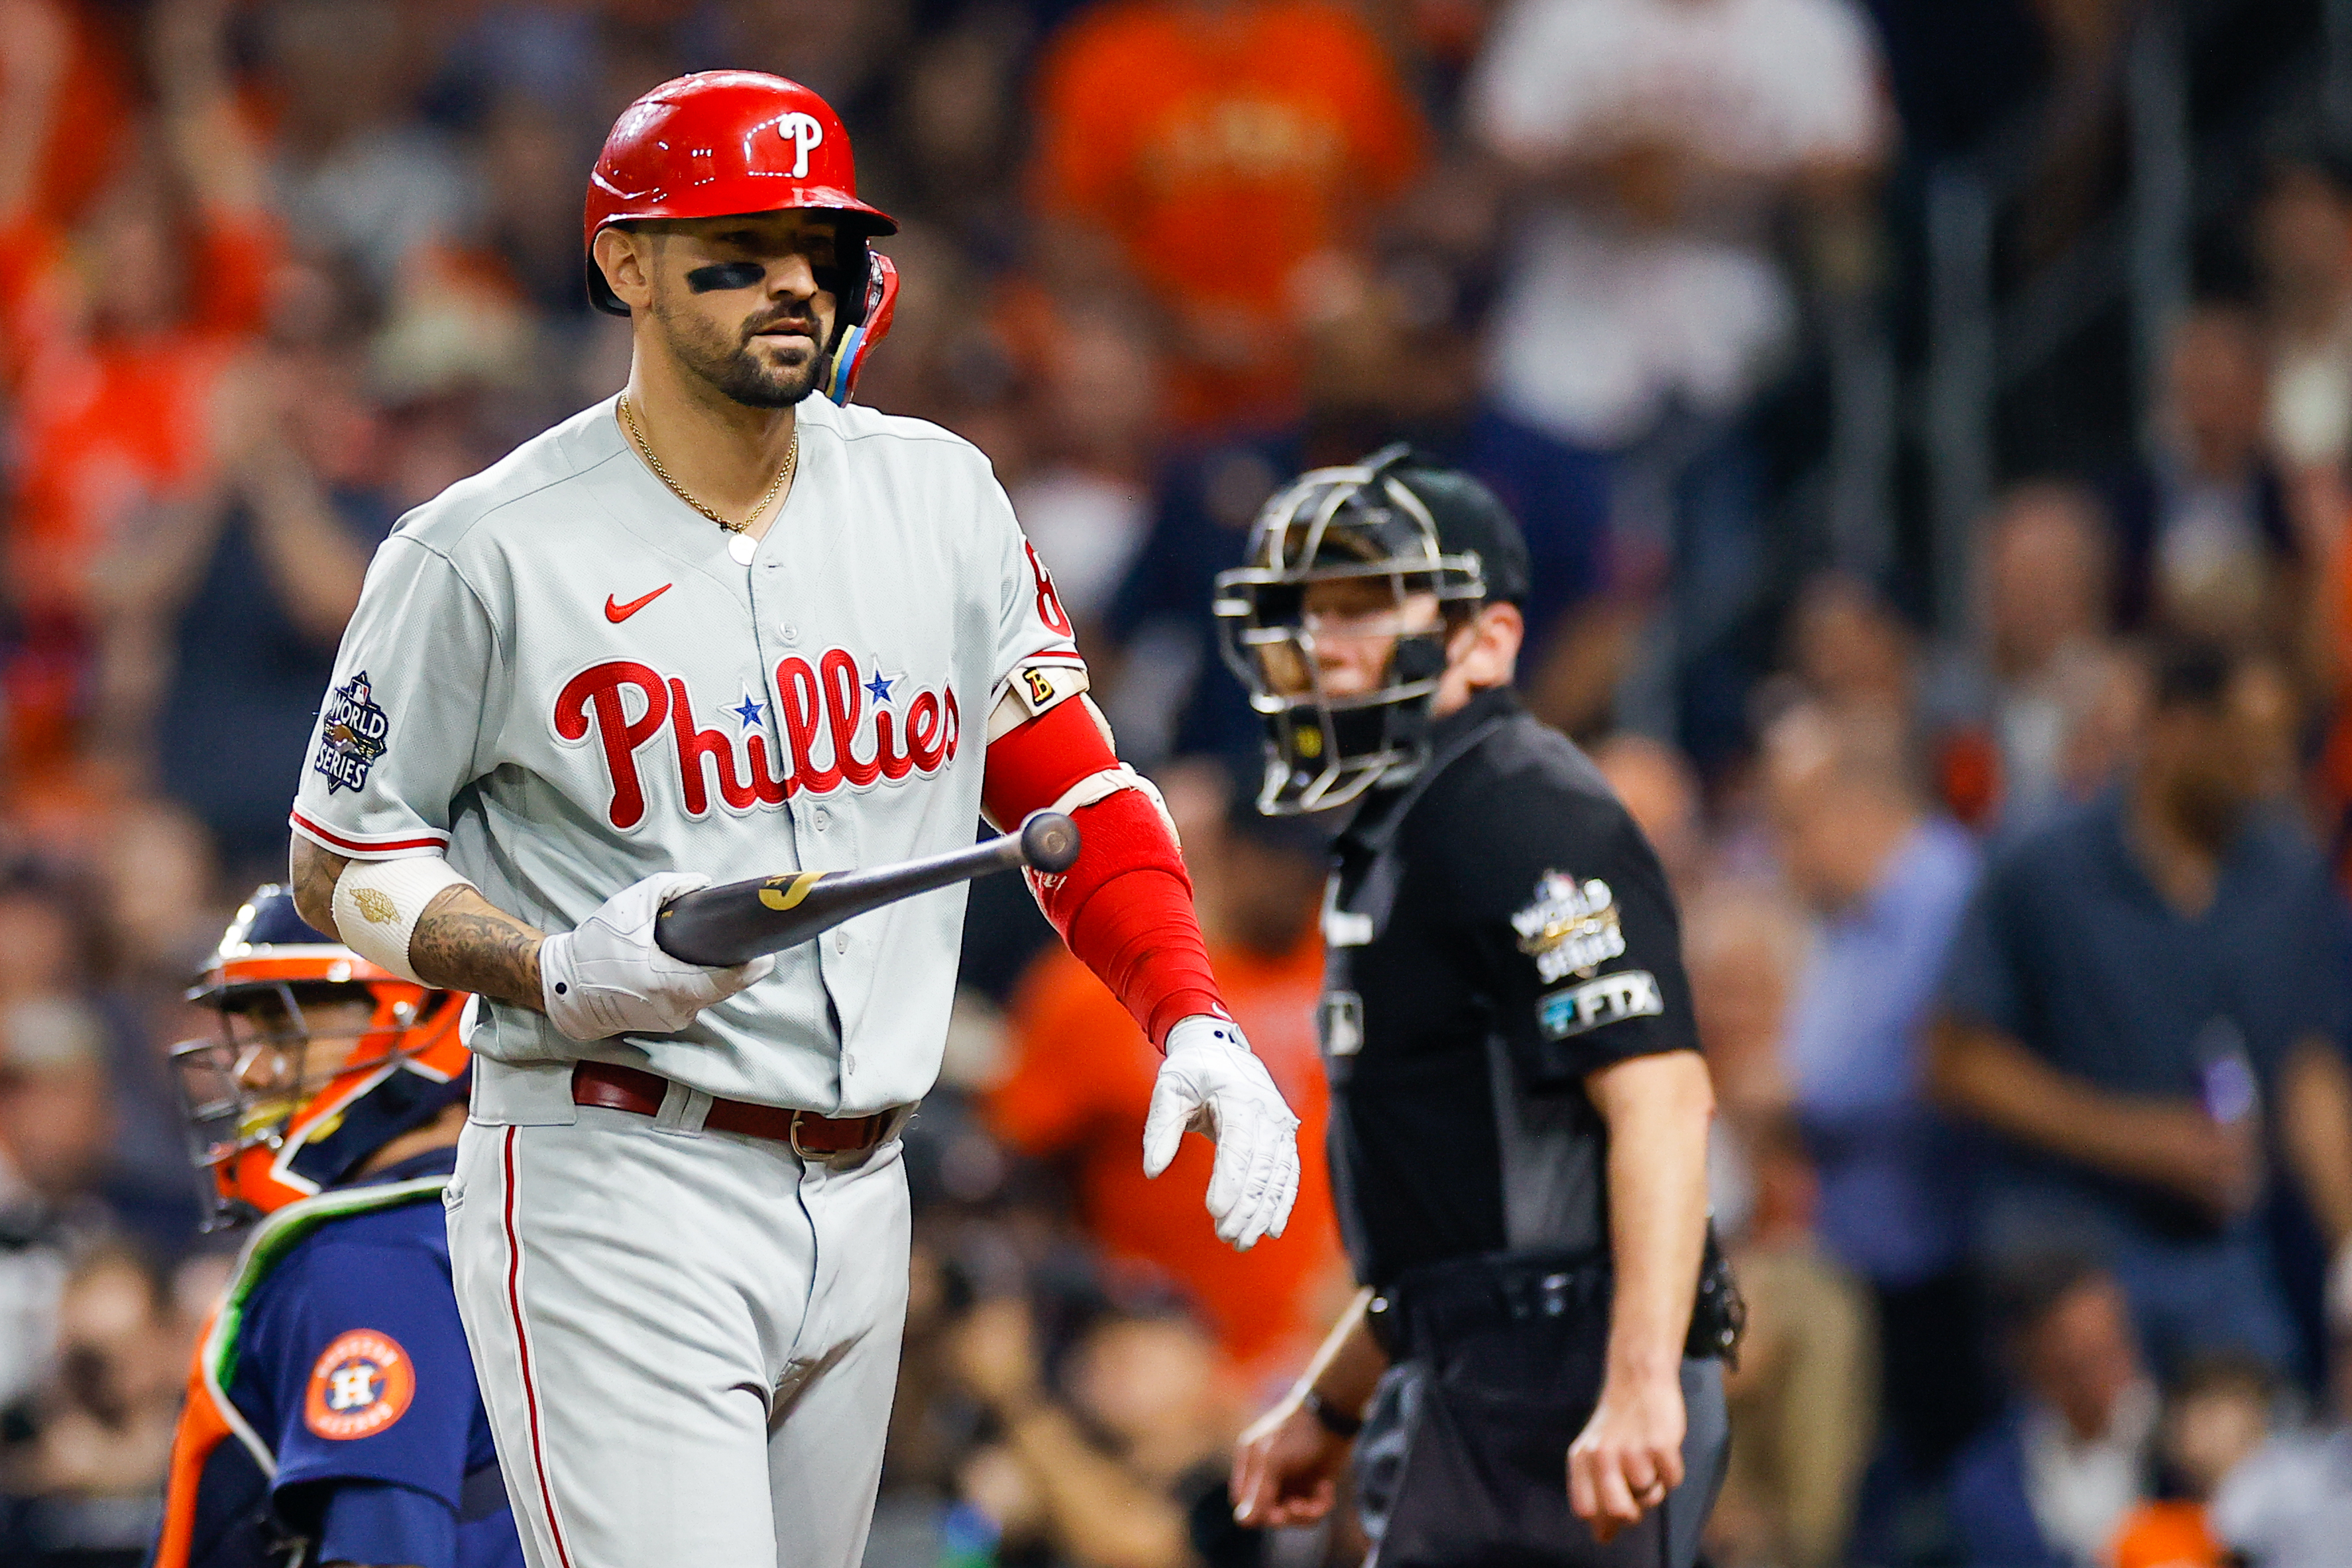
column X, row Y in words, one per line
column 1126, row 908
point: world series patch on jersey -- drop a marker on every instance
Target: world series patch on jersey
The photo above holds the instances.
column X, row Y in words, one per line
column 351, row 733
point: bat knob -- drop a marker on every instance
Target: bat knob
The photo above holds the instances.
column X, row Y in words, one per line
column 1049, row 842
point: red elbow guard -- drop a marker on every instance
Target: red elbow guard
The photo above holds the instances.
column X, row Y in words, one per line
column 1125, row 909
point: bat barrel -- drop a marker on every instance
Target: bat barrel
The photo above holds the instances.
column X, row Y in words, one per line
column 734, row 923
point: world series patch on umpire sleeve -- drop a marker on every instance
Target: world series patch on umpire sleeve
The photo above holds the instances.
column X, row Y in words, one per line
column 1572, row 928
column 1632, row 994
column 362, row 1383
column 350, row 736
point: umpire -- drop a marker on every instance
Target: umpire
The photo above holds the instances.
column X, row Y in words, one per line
column 1519, row 1109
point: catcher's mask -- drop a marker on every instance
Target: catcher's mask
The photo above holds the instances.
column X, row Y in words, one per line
column 1392, row 520
column 321, row 1059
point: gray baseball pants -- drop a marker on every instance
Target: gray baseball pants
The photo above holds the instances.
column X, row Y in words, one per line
column 687, row 1340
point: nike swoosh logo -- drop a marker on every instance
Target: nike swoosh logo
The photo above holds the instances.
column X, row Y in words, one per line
column 617, row 612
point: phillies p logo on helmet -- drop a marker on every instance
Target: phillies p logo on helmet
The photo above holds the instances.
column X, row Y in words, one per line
column 716, row 143
column 806, row 135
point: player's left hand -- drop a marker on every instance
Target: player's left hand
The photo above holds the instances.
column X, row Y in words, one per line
column 1630, row 1454
column 1211, row 1083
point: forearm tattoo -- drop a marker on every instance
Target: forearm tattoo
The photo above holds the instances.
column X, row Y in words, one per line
column 466, row 943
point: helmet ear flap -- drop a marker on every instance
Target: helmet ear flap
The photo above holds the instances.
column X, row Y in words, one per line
column 858, row 336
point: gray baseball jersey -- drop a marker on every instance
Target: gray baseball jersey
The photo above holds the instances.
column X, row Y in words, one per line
column 562, row 677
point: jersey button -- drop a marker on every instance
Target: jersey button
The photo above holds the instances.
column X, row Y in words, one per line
column 824, row 819
column 841, row 941
column 848, row 1064
column 791, row 634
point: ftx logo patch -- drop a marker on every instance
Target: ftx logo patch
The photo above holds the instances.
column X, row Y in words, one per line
column 1630, row 995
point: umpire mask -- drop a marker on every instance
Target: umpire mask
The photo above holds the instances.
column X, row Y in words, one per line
column 1389, row 536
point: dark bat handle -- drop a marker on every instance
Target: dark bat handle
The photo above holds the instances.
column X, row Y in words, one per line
column 736, row 922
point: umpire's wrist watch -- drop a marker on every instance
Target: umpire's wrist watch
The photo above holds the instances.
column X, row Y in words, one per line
column 1333, row 1419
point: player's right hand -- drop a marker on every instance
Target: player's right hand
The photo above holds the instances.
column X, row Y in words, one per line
column 1285, row 1468
column 608, row 976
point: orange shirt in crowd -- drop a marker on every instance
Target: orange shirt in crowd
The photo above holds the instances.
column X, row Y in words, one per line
column 102, row 424
column 1081, row 1079
column 2168, row 1535
column 1221, row 147
column 101, row 427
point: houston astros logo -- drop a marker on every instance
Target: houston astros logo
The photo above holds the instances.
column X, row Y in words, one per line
column 806, row 135
column 362, row 1383
column 838, row 728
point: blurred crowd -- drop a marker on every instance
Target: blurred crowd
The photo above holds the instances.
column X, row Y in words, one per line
column 2017, row 941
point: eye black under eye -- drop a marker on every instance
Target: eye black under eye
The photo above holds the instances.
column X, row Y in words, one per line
column 721, row 275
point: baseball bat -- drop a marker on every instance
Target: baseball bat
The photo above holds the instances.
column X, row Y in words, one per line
column 732, row 924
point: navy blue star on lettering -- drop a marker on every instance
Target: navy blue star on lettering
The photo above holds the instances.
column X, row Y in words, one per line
column 749, row 711
column 880, row 687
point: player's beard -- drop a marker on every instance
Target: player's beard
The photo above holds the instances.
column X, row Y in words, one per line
column 733, row 368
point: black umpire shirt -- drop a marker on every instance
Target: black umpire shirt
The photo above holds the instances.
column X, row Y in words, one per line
column 1498, row 928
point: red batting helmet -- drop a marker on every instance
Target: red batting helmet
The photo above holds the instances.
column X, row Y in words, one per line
column 719, row 142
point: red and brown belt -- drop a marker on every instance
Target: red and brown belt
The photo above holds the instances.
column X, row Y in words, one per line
column 634, row 1089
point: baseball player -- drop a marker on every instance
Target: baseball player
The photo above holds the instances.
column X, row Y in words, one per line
column 711, row 628
column 331, row 1413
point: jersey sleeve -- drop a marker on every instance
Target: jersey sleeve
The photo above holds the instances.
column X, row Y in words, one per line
column 405, row 713
column 1034, row 642
column 1571, row 916
column 373, row 1381
column 376, row 1521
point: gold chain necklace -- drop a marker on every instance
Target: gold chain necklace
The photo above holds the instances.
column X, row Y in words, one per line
column 783, row 474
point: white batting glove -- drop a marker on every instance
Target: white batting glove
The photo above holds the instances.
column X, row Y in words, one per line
column 1212, row 1084
column 607, row 977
